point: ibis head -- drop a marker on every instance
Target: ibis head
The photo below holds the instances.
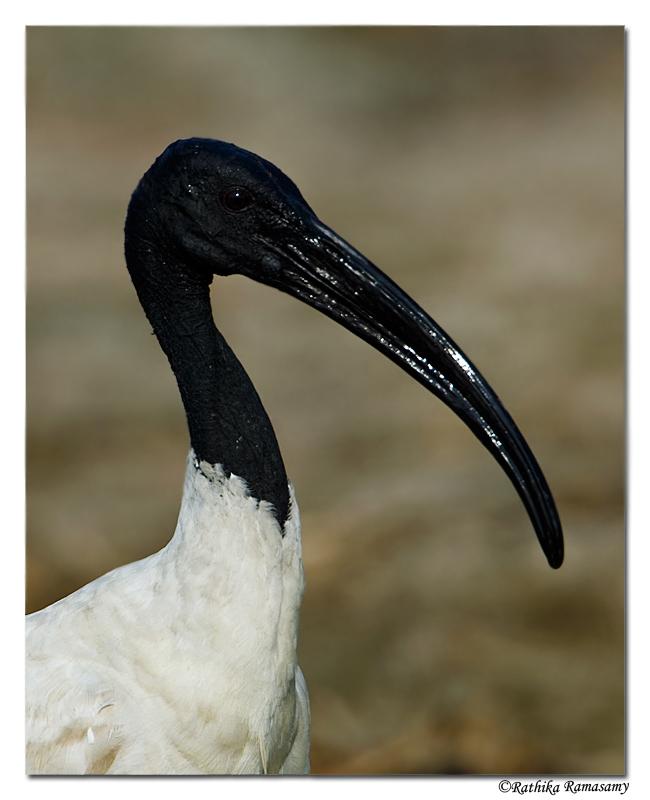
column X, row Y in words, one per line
column 206, row 207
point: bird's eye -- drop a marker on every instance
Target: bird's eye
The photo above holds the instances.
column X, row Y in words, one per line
column 236, row 199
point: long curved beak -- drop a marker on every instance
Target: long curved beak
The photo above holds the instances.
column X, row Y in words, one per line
column 315, row 265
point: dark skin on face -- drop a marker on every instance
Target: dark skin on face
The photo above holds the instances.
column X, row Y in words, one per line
column 206, row 207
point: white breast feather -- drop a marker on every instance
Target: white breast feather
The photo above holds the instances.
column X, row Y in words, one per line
column 184, row 662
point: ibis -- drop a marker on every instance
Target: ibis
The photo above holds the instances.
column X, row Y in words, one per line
column 185, row 662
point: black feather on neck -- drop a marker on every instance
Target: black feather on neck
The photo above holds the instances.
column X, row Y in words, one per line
column 227, row 422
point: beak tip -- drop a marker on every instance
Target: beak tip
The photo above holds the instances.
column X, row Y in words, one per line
column 555, row 554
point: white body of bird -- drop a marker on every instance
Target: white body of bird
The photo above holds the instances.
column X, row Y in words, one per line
column 184, row 662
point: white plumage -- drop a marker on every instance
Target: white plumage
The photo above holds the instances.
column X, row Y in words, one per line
column 217, row 609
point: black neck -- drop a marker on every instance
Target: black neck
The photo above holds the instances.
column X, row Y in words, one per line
column 227, row 422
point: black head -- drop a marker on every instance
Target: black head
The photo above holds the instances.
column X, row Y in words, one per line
column 214, row 204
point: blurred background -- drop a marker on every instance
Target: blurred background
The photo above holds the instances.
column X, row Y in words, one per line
column 483, row 169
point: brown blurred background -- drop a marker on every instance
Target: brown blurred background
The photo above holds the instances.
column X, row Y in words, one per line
column 483, row 169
